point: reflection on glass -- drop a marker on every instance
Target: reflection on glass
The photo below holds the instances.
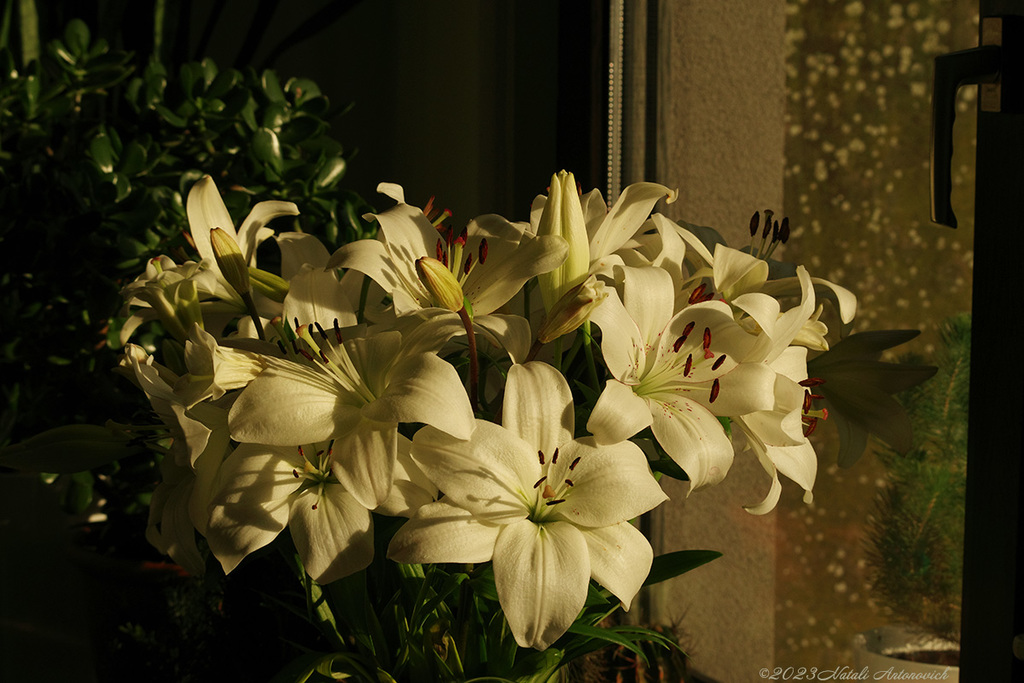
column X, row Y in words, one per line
column 858, row 120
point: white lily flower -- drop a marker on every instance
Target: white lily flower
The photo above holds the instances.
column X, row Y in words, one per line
column 490, row 259
column 606, row 230
column 354, row 392
column 200, row 442
column 776, row 436
column 206, row 211
column 550, row 511
column 676, row 373
column 214, row 369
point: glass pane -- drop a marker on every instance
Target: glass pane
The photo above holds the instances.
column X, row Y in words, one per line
column 857, row 143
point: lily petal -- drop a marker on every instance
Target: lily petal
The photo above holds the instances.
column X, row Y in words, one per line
column 299, row 249
column 620, row 559
column 206, row 211
column 490, row 475
column 289, row 404
column 542, row 573
column 538, row 406
column 425, row 388
column 252, row 506
column 510, row 332
column 619, row 414
column 252, row 232
column 611, row 483
column 694, row 439
column 626, row 216
column 442, row 532
column 364, row 461
column 333, row 533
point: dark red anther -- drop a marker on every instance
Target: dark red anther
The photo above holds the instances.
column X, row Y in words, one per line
column 812, row 382
column 784, row 230
column 469, row 264
column 337, row 331
column 767, row 224
column 718, row 362
column 483, row 250
column 812, row 424
column 297, row 325
column 554, row 457
column 555, row 502
column 314, row 505
column 302, row 453
column 306, row 354
column 682, row 338
column 775, row 232
column 439, row 250
column 324, row 358
column 707, row 343
column 755, row 222
column 320, row 329
column 678, row 344
column 573, row 464
column 807, row 401
column 688, row 366
column 540, row 481
column 295, row 473
column 281, row 346
column 697, row 294
column 540, row 456
column 715, row 388
column 461, row 239
column 569, row 482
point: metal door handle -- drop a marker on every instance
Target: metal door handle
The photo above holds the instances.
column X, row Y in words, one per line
column 976, row 65
column 998, row 64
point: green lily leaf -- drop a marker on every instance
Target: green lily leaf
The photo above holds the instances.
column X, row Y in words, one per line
column 671, row 565
column 858, row 390
column 67, row 449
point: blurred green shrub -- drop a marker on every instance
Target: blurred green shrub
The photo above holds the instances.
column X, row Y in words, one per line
column 915, row 550
column 96, row 154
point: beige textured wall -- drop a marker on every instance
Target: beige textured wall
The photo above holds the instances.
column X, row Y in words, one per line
column 721, row 135
column 722, row 109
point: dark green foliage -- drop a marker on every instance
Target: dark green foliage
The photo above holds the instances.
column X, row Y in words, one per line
column 916, row 537
column 97, row 154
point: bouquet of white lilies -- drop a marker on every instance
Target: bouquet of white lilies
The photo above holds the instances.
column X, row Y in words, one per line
column 456, row 425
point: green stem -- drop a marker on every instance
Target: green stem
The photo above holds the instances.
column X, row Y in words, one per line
column 474, row 361
column 250, row 305
column 534, row 350
column 364, row 292
column 588, row 349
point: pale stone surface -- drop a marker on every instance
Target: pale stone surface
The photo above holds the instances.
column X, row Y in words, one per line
column 722, row 110
column 721, row 100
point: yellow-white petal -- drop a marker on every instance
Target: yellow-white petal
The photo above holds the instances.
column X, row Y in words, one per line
column 542, row 573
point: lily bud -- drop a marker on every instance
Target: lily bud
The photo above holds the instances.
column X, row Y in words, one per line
column 441, row 284
column 563, row 217
column 572, row 310
column 269, row 285
column 230, row 259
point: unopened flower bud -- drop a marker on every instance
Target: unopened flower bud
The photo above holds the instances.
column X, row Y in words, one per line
column 230, row 259
column 572, row 310
column 441, row 284
column 563, row 217
column 269, row 285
